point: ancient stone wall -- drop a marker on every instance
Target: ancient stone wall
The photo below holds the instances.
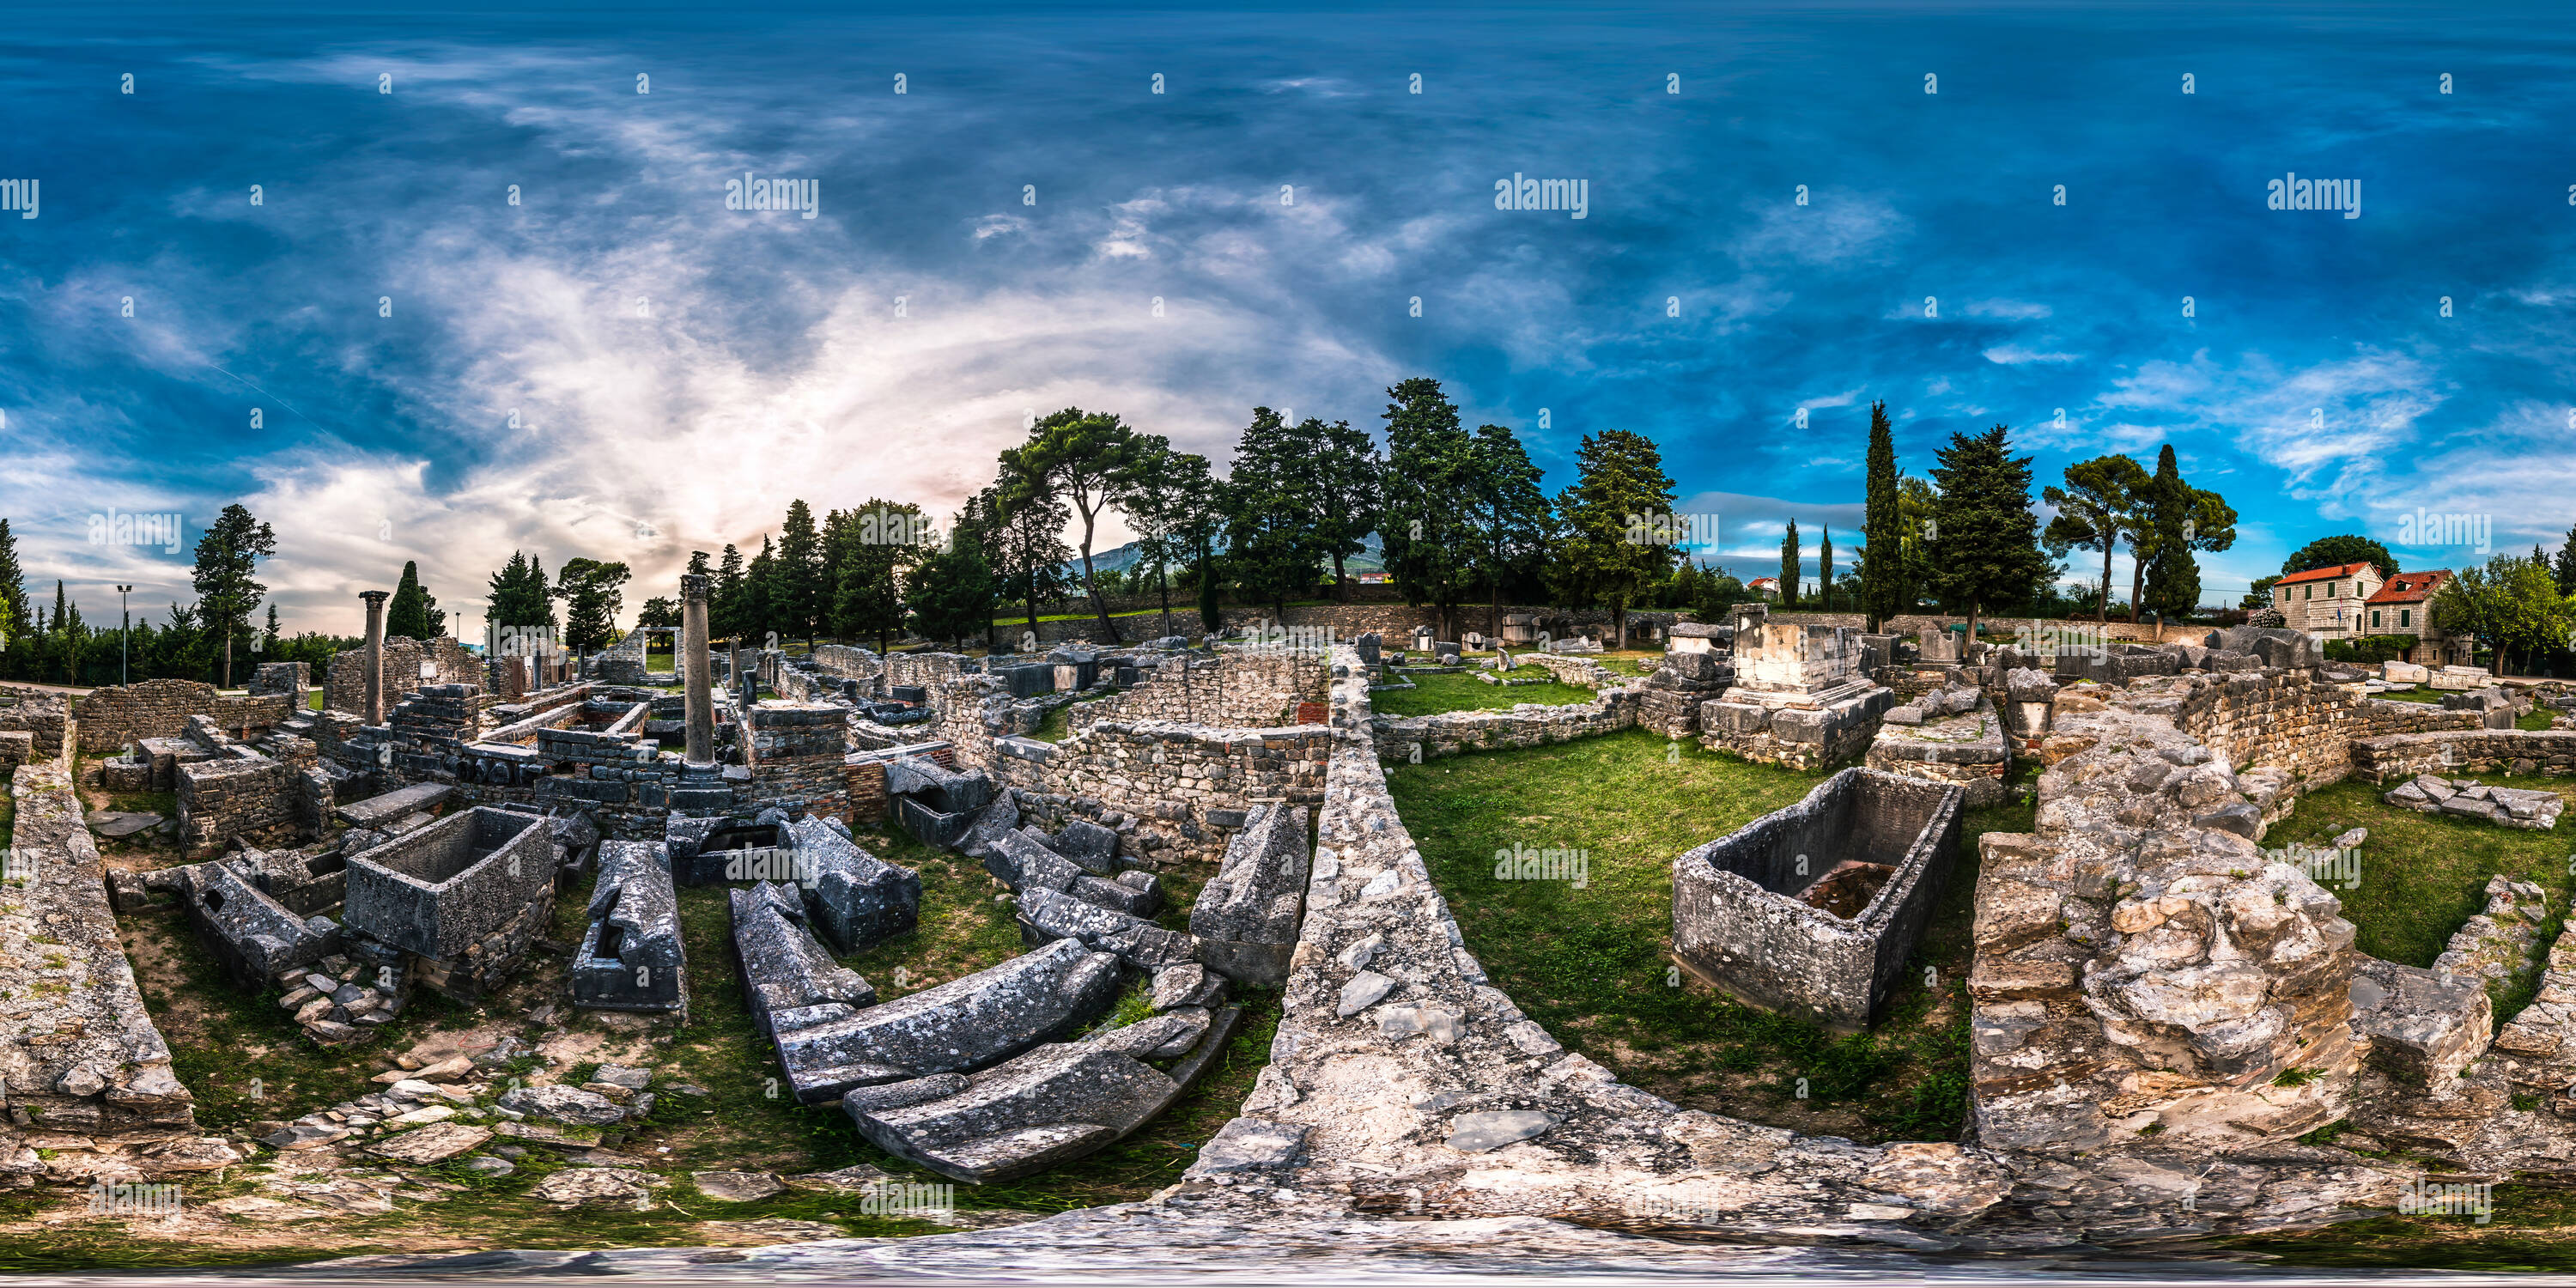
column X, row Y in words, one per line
column 1239, row 686
column 112, row 718
column 849, row 663
column 38, row 712
column 2294, row 720
column 2397, row 756
column 345, row 688
column 1418, row 738
column 623, row 661
column 81, row 1065
column 1189, row 785
column 242, row 795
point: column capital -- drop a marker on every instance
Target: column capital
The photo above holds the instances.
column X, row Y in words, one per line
column 694, row 585
column 375, row 596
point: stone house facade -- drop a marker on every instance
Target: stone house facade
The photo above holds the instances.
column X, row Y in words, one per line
column 2404, row 606
column 2327, row 602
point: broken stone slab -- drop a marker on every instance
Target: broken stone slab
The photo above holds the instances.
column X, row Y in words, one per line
column 302, row 1136
column 1090, row 846
column 582, row 1186
column 562, row 1104
column 990, row 824
column 378, row 812
column 619, row 1075
column 117, row 826
column 1167, row 1036
column 1363, row 991
column 847, row 1180
column 1117, row 896
column 1188, row 984
column 1246, row 917
column 791, row 981
column 738, row 1187
column 1476, row 1133
column 1047, row 1106
column 965, row 1024
column 1025, row 863
column 2423, row 1025
column 858, row 899
column 1250, row 1145
column 435, row 1143
column 1047, row 915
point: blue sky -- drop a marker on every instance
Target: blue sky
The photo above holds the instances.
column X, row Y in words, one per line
column 679, row 371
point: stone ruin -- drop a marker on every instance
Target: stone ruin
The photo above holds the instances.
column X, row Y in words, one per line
column 631, row 958
column 1798, row 699
column 1811, row 910
column 1698, row 666
column 454, row 905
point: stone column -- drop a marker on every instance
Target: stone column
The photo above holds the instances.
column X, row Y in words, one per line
column 693, row 669
column 375, row 653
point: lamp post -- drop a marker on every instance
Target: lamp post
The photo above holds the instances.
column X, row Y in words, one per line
column 125, row 626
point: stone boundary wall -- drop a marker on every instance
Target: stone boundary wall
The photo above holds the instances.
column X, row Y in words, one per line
column 1581, row 672
column 39, row 712
column 113, row 717
column 82, row 1064
column 849, row 663
column 1401, row 1081
column 1192, row 781
column 2296, row 721
column 1451, row 733
column 344, row 688
column 1239, row 687
column 2398, row 756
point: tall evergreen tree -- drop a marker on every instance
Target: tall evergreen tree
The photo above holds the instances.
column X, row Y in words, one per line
column 2335, row 551
column 803, row 596
column 1269, row 505
column 1789, row 556
column 410, row 614
column 1347, row 480
column 1987, row 549
column 951, row 594
column 1430, row 478
column 1825, row 568
column 871, row 549
column 1882, row 532
column 760, row 595
column 15, row 621
column 2564, row 570
column 1512, row 519
column 1620, row 477
column 2181, row 519
column 588, row 588
column 725, row 599
column 1170, row 490
column 1085, row 460
column 1029, row 554
column 227, row 558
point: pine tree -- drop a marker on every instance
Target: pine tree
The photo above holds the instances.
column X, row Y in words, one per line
column 16, row 622
column 1084, row 460
column 951, row 594
column 407, row 615
column 2181, row 519
column 591, row 600
column 2564, row 570
column 870, row 549
column 1789, row 553
column 803, row 597
column 1987, row 547
column 1269, row 533
column 1601, row 559
column 725, row 598
column 1513, row 520
column 227, row 556
column 1883, row 588
column 1430, row 487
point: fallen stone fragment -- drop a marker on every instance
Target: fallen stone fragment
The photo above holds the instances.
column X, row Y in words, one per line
column 738, row 1187
column 1478, row 1132
column 432, row 1144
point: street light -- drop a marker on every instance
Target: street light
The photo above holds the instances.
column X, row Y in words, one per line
column 125, row 625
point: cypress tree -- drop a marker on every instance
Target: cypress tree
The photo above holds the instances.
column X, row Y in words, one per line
column 1789, row 567
column 1883, row 589
column 1825, row 568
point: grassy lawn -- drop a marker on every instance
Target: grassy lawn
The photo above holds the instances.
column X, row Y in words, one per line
column 2423, row 875
column 2533, row 1229
column 1462, row 691
column 1591, row 964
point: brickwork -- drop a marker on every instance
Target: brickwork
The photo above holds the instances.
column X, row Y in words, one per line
column 37, row 712
column 345, row 688
column 112, row 718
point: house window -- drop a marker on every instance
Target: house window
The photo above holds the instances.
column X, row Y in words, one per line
column 2405, row 618
column 2311, row 588
column 2374, row 619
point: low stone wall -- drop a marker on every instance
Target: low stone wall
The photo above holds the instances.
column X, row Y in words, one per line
column 2296, row 721
column 1414, row 739
column 1193, row 782
column 345, row 687
column 38, row 712
column 112, row 718
column 1581, row 672
column 849, row 663
column 2400, row 756
column 236, row 796
column 81, row 1065
column 1969, row 750
column 1237, row 686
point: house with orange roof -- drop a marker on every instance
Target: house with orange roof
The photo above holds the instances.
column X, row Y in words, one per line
column 2404, row 606
column 2327, row 603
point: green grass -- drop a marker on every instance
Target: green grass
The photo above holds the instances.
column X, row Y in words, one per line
column 1592, row 964
column 2423, row 875
column 2536, row 720
column 2533, row 1229
column 2430, row 697
column 1462, row 691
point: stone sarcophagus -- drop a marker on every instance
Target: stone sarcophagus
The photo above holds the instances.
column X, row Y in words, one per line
column 453, row 905
column 1811, row 910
